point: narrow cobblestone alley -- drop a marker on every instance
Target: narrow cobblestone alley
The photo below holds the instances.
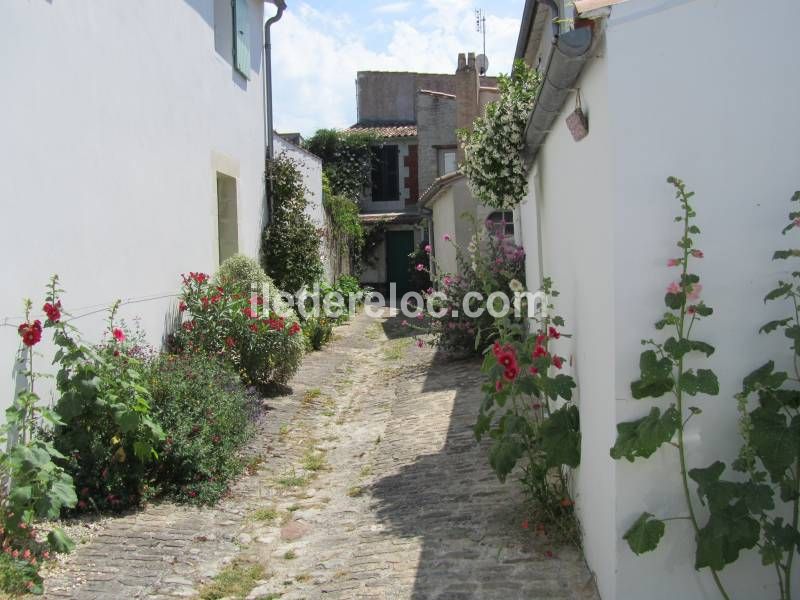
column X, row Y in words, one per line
column 366, row 483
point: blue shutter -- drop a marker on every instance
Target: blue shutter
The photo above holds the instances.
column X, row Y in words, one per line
column 241, row 37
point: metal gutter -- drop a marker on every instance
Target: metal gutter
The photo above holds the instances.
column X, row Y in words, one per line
column 269, row 150
column 568, row 55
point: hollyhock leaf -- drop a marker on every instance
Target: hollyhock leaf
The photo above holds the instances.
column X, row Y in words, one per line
column 703, row 310
column 645, row 534
column 563, row 386
column 784, row 254
column 703, row 347
column 503, row 456
column 677, row 348
column 764, row 377
column 728, row 531
column 558, row 321
column 641, row 438
column 561, row 437
column 675, row 301
column 702, row 382
column 774, row 439
column 656, row 376
column 793, row 333
column 773, row 325
column 60, row 541
column 783, row 290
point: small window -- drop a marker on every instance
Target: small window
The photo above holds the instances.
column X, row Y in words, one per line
column 385, row 174
column 227, row 221
column 501, row 221
column 447, row 161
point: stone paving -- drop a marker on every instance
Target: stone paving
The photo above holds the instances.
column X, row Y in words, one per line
column 378, row 488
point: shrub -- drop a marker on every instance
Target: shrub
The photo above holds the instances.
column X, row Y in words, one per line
column 492, row 262
column 347, row 285
column 262, row 345
column 246, row 275
column 493, row 161
column 318, row 332
column 202, row 405
column 107, row 434
column 290, row 248
column 419, row 278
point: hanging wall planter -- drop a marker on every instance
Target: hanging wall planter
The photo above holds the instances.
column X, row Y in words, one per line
column 577, row 122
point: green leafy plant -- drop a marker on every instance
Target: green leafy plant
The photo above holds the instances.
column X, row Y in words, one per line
column 227, row 321
column 665, row 370
column 492, row 149
column 202, row 405
column 36, row 486
column 290, row 248
column 107, row 433
column 769, row 457
column 318, row 332
column 492, row 262
column 529, row 417
column 346, row 158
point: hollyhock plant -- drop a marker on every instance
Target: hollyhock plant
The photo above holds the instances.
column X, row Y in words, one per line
column 529, row 417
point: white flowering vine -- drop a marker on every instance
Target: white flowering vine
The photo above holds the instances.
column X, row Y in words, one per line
column 493, row 162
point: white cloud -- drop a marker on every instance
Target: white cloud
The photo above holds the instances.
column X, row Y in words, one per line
column 316, row 56
column 393, row 7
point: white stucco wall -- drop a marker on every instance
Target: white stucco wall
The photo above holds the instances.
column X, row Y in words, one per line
column 572, row 184
column 710, row 108
column 702, row 106
column 310, row 167
column 114, row 119
column 444, row 223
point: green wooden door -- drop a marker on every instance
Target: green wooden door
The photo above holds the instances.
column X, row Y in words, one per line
column 399, row 244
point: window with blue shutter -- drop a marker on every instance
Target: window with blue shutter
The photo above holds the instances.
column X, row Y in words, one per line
column 241, row 36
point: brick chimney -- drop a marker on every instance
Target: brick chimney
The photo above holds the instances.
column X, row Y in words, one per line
column 467, row 95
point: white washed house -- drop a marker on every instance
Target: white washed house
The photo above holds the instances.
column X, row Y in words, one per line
column 706, row 91
column 132, row 150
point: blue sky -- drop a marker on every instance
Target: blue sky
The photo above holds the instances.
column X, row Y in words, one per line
column 318, row 46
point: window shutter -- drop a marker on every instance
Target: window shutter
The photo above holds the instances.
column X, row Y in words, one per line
column 391, row 159
column 241, row 36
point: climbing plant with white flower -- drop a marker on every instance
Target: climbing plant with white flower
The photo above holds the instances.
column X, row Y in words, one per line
column 493, row 162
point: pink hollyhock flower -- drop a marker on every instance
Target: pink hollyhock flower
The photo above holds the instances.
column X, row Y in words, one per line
column 673, row 262
column 691, row 309
column 420, row 343
column 498, row 385
column 420, row 316
column 428, row 248
column 674, row 288
column 797, row 222
column 694, row 293
column 447, row 280
column 119, row 335
column 697, row 253
column 420, row 267
column 404, row 323
column 446, row 237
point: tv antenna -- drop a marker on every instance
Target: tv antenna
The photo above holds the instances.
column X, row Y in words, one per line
column 480, row 27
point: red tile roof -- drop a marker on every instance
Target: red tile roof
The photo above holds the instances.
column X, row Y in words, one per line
column 387, row 130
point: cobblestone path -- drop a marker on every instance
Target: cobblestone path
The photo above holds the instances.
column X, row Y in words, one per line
column 371, row 487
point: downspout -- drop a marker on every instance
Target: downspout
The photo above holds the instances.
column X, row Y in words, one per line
column 269, row 149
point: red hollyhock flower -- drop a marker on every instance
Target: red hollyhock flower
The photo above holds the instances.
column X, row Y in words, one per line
column 119, row 335
column 496, row 349
column 199, row 277
column 204, row 301
column 511, row 372
column 539, row 351
column 540, row 339
column 249, row 312
column 498, row 385
column 534, row 371
column 557, row 362
column 507, row 358
column 553, row 332
column 31, row 333
column 230, row 342
column 182, row 306
column 254, row 327
column 188, row 326
column 53, row 311
column 295, row 328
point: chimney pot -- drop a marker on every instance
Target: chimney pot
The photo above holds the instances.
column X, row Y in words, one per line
column 462, row 62
column 471, row 61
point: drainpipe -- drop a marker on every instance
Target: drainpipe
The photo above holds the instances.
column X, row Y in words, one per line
column 269, row 150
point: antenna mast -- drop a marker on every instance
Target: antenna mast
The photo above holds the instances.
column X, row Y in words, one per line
column 480, row 27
